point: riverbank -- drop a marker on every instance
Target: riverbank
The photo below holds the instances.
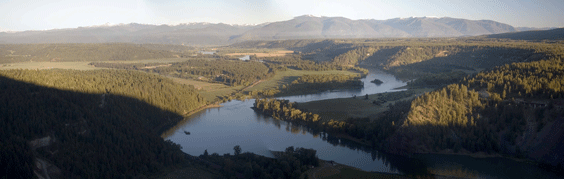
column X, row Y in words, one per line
column 334, row 170
column 213, row 105
column 170, row 131
column 331, row 169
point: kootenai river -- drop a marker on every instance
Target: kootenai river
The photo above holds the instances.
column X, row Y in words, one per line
column 219, row 129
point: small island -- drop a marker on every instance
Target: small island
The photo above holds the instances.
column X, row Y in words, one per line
column 377, row 81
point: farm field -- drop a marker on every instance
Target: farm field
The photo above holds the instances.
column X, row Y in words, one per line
column 262, row 54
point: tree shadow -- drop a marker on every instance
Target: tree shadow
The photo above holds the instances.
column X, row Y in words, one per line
column 94, row 135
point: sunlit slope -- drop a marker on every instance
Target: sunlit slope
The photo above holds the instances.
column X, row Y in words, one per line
column 509, row 109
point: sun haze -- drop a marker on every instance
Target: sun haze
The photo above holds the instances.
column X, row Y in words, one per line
column 52, row 14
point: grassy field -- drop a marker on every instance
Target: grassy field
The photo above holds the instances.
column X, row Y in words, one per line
column 49, row 65
column 209, row 90
column 262, row 54
column 359, row 107
column 162, row 60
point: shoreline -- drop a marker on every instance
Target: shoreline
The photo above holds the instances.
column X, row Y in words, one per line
column 207, row 106
column 167, row 132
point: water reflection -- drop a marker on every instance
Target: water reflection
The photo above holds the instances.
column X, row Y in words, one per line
column 390, row 84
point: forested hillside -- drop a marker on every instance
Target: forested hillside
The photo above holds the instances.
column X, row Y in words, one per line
column 90, row 124
column 291, row 163
column 410, row 58
column 229, row 72
column 309, row 84
column 509, row 109
column 11, row 53
column 494, row 97
column 413, row 61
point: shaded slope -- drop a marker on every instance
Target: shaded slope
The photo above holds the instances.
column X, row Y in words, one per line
column 10, row 53
column 554, row 34
column 88, row 134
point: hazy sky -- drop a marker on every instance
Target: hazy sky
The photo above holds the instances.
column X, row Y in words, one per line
column 18, row 15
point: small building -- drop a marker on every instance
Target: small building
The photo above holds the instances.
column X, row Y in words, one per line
column 245, row 58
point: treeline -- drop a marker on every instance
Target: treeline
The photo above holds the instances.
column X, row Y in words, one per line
column 373, row 132
column 540, row 79
column 353, row 57
column 92, row 124
column 308, row 84
column 230, row 72
column 216, row 69
column 393, row 96
column 284, row 110
column 437, row 79
column 12, row 53
column 291, row 163
column 296, row 62
column 127, row 66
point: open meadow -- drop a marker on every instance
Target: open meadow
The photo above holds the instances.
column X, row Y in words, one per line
column 263, row 54
column 359, row 107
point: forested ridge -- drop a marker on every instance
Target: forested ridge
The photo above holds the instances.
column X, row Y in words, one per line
column 12, row 53
column 505, row 110
column 229, row 72
column 93, row 124
column 308, row 84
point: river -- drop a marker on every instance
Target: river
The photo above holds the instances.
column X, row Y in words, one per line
column 218, row 130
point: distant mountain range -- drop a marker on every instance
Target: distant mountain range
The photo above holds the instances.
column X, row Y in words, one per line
column 302, row 27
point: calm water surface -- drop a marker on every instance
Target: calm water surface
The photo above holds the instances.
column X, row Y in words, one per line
column 218, row 130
